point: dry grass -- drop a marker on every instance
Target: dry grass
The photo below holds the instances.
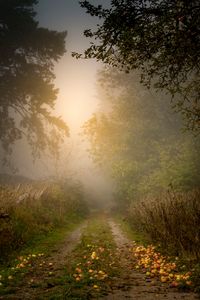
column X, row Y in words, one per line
column 29, row 210
column 171, row 220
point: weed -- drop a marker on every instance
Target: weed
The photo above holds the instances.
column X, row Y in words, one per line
column 171, row 220
column 33, row 211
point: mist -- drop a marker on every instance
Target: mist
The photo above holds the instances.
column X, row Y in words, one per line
column 123, row 107
column 99, row 149
column 76, row 102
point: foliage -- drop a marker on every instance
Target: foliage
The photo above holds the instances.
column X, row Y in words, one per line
column 137, row 139
column 160, row 38
column 27, row 56
column 27, row 211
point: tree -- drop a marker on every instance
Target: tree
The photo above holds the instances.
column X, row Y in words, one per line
column 160, row 38
column 137, row 139
column 27, row 92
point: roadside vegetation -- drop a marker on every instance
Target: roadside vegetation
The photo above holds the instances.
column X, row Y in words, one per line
column 154, row 257
column 28, row 212
column 171, row 222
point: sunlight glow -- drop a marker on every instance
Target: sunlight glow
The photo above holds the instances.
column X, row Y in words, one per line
column 76, row 100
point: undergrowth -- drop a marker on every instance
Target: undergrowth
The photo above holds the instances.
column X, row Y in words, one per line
column 28, row 213
column 171, row 220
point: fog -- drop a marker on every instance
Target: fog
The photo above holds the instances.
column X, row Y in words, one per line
column 99, row 149
column 140, row 124
column 76, row 102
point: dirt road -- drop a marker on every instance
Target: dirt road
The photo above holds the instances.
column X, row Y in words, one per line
column 44, row 279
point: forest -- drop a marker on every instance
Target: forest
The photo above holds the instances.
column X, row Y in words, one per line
column 109, row 210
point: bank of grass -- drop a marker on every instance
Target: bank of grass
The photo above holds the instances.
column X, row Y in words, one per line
column 93, row 264
column 27, row 217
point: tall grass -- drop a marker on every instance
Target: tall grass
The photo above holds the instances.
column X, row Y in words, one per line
column 171, row 219
column 29, row 210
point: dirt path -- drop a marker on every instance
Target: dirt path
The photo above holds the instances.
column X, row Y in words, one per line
column 44, row 278
column 134, row 285
column 41, row 279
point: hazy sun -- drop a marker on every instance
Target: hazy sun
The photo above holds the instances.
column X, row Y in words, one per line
column 77, row 100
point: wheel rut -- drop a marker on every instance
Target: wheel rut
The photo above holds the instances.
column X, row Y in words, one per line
column 129, row 283
column 40, row 280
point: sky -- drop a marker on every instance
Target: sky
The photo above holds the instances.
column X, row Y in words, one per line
column 75, row 78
